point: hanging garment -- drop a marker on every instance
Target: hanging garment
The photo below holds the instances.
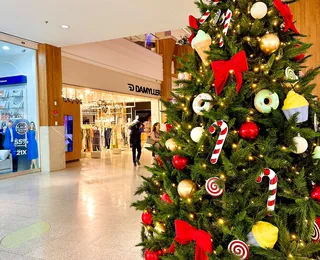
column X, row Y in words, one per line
column 96, row 140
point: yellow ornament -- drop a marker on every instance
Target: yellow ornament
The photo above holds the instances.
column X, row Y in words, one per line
column 264, row 235
column 269, row 43
column 186, row 189
column 160, row 228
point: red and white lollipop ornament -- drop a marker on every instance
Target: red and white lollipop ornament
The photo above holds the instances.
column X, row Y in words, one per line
column 316, row 231
column 213, row 188
column 239, row 248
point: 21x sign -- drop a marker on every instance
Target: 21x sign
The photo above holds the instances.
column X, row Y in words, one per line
column 144, row 90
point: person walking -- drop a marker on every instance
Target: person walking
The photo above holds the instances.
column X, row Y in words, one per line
column 135, row 142
column 155, row 135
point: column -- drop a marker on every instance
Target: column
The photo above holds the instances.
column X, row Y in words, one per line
column 52, row 148
column 166, row 47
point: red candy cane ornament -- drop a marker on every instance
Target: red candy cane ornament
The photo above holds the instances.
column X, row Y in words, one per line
column 204, row 17
column 272, row 187
column 226, row 25
column 222, row 137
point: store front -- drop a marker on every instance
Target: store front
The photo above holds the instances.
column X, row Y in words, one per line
column 19, row 121
column 105, row 118
column 110, row 101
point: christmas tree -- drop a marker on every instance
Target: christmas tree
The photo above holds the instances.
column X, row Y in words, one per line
column 238, row 174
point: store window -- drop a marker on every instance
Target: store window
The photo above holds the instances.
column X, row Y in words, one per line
column 18, row 109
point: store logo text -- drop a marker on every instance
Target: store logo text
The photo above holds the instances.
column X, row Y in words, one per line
column 144, row 90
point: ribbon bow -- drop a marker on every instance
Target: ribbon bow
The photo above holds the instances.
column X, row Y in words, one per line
column 286, row 14
column 222, row 69
column 193, row 23
column 187, row 233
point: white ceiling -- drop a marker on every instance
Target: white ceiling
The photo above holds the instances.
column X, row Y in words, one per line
column 91, row 20
column 13, row 49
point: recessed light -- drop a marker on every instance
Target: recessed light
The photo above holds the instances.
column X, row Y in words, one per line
column 5, row 47
column 64, row 26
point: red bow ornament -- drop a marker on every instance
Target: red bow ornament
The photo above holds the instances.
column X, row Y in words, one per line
column 187, row 233
column 286, row 14
column 193, row 23
column 221, row 69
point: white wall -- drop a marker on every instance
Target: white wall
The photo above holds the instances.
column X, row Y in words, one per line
column 86, row 75
column 119, row 54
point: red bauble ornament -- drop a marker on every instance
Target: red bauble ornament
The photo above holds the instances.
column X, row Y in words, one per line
column 166, row 198
column 168, row 127
column 149, row 255
column 146, row 218
column 180, row 163
column 315, row 193
column 159, row 252
column 249, row 131
column 300, row 56
column 316, row 231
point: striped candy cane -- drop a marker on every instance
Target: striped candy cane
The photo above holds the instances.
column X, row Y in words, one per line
column 272, row 186
column 222, row 137
column 204, row 17
column 226, row 25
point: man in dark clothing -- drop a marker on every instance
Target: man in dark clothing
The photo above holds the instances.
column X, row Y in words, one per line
column 135, row 141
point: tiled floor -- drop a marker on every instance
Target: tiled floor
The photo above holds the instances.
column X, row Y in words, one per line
column 87, row 206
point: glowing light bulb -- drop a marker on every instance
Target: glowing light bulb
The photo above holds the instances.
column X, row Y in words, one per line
column 220, row 221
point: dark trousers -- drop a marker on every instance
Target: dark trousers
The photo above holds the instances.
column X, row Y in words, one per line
column 135, row 148
column 107, row 140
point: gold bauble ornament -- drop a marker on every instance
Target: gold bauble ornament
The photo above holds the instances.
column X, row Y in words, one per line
column 186, row 189
column 160, row 228
column 171, row 145
column 269, row 43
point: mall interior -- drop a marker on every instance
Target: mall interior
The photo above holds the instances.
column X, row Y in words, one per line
column 71, row 90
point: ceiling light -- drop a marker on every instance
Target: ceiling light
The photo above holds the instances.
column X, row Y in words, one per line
column 5, row 47
column 64, row 26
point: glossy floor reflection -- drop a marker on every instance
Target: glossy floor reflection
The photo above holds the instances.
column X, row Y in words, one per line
column 87, row 206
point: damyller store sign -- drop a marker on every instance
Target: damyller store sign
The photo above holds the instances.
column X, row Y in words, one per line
column 144, row 90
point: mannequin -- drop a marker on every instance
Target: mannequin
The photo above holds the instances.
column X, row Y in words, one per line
column 127, row 130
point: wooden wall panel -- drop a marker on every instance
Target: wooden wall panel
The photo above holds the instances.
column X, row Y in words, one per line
column 73, row 109
column 50, row 85
column 165, row 47
column 306, row 15
column 181, row 51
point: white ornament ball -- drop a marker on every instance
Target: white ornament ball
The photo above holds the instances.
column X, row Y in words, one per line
column 184, row 76
column 196, row 134
column 171, row 145
column 259, row 10
column 301, row 144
